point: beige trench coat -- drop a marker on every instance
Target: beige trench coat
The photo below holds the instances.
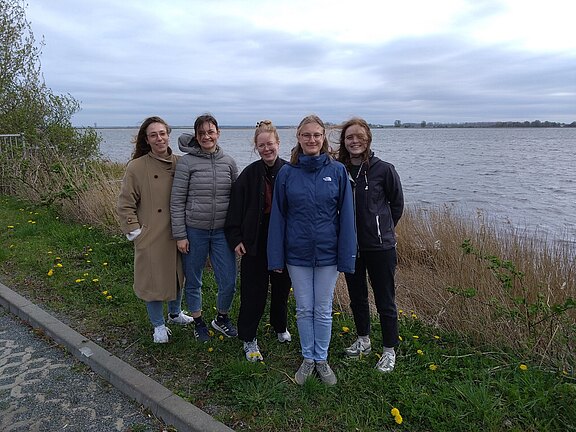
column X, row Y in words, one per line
column 144, row 202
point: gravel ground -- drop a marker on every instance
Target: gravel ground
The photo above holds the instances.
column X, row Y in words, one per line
column 43, row 388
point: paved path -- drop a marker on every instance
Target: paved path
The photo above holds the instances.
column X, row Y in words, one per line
column 53, row 378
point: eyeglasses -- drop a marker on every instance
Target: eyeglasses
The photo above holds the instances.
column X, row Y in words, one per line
column 156, row 135
column 208, row 133
column 308, row 136
column 269, row 145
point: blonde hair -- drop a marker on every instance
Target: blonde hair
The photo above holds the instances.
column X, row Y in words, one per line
column 265, row 126
column 297, row 150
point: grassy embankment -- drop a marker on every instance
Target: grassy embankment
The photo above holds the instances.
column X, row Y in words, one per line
column 487, row 321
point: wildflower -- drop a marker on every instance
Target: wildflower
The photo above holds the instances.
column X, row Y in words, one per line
column 109, row 297
column 221, row 337
column 88, row 261
column 416, row 337
column 523, row 367
column 401, row 312
column 11, row 246
column 414, row 316
column 420, row 352
column 210, row 349
column 10, row 226
column 50, row 252
column 398, row 419
column 345, row 329
column 395, row 412
column 90, row 250
column 85, row 274
column 95, row 280
column 58, row 259
column 436, row 337
column 400, row 338
column 336, row 313
column 58, row 265
column 50, row 272
column 210, row 333
column 104, row 264
column 79, row 280
column 433, row 367
column 105, row 293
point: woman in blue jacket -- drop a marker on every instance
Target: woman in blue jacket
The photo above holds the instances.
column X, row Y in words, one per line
column 379, row 203
column 312, row 233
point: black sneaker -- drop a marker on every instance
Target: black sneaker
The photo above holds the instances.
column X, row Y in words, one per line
column 201, row 331
column 224, row 325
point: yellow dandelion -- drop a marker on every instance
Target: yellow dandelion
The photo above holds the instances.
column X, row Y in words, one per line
column 210, row 349
column 414, row 316
column 50, row 252
column 337, row 313
column 420, row 352
column 109, row 297
column 345, row 329
column 50, row 272
column 395, row 412
column 523, row 367
column 436, row 337
column 433, row 367
column 400, row 338
column 400, row 311
column 79, row 280
column 95, row 280
column 221, row 337
column 416, row 337
column 90, row 250
column 58, row 265
column 105, row 293
column 210, row 333
column 10, row 226
column 398, row 419
column 88, row 261
column 104, row 264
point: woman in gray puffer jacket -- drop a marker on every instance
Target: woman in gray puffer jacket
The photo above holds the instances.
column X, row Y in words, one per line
column 199, row 203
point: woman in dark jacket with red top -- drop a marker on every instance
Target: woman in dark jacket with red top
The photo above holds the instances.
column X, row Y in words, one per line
column 379, row 203
column 247, row 233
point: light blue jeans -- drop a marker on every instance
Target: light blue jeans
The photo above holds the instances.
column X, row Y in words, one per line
column 156, row 309
column 213, row 243
column 314, row 291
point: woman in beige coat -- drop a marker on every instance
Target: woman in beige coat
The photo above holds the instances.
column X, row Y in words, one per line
column 144, row 210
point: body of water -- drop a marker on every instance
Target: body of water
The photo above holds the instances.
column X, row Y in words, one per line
column 521, row 177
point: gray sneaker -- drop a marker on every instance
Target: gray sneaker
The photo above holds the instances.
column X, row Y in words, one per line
column 306, row 369
column 386, row 362
column 359, row 348
column 326, row 373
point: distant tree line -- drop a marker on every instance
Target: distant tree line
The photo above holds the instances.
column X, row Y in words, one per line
column 498, row 124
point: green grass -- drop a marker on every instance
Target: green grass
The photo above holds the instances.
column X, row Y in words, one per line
column 442, row 382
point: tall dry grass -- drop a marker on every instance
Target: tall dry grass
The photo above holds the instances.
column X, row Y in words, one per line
column 531, row 311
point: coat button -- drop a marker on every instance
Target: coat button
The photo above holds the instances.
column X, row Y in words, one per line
column 159, row 210
column 155, row 175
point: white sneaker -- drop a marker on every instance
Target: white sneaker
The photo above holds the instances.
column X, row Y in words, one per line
column 358, row 348
column 284, row 337
column 252, row 351
column 181, row 319
column 386, row 362
column 161, row 334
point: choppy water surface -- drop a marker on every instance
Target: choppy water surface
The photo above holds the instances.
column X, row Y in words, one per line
column 523, row 177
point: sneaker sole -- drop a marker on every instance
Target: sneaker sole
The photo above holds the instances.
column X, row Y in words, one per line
column 221, row 330
column 363, row 353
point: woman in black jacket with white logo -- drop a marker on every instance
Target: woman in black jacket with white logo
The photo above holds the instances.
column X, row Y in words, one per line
column 379, row 203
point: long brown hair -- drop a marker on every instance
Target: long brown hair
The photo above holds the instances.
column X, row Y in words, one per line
column 297, row 150
column 141, row 146
column 343, row 153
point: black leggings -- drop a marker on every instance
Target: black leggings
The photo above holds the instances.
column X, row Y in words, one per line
column 381, row 266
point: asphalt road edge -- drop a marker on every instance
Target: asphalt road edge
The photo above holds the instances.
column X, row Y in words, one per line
column 171, row 408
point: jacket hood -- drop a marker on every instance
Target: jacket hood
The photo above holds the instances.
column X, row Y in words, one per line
column 188, row 143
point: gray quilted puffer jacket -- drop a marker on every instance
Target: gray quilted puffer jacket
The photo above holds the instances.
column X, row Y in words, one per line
column 201, row 188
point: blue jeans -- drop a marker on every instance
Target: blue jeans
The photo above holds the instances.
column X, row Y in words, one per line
column 313, row 292
column 156, row 309
column 204, row 243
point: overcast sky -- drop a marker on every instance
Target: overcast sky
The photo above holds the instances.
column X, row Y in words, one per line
column 246, row 60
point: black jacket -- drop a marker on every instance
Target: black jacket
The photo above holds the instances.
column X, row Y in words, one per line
column 379, row 203
column 245, row 219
